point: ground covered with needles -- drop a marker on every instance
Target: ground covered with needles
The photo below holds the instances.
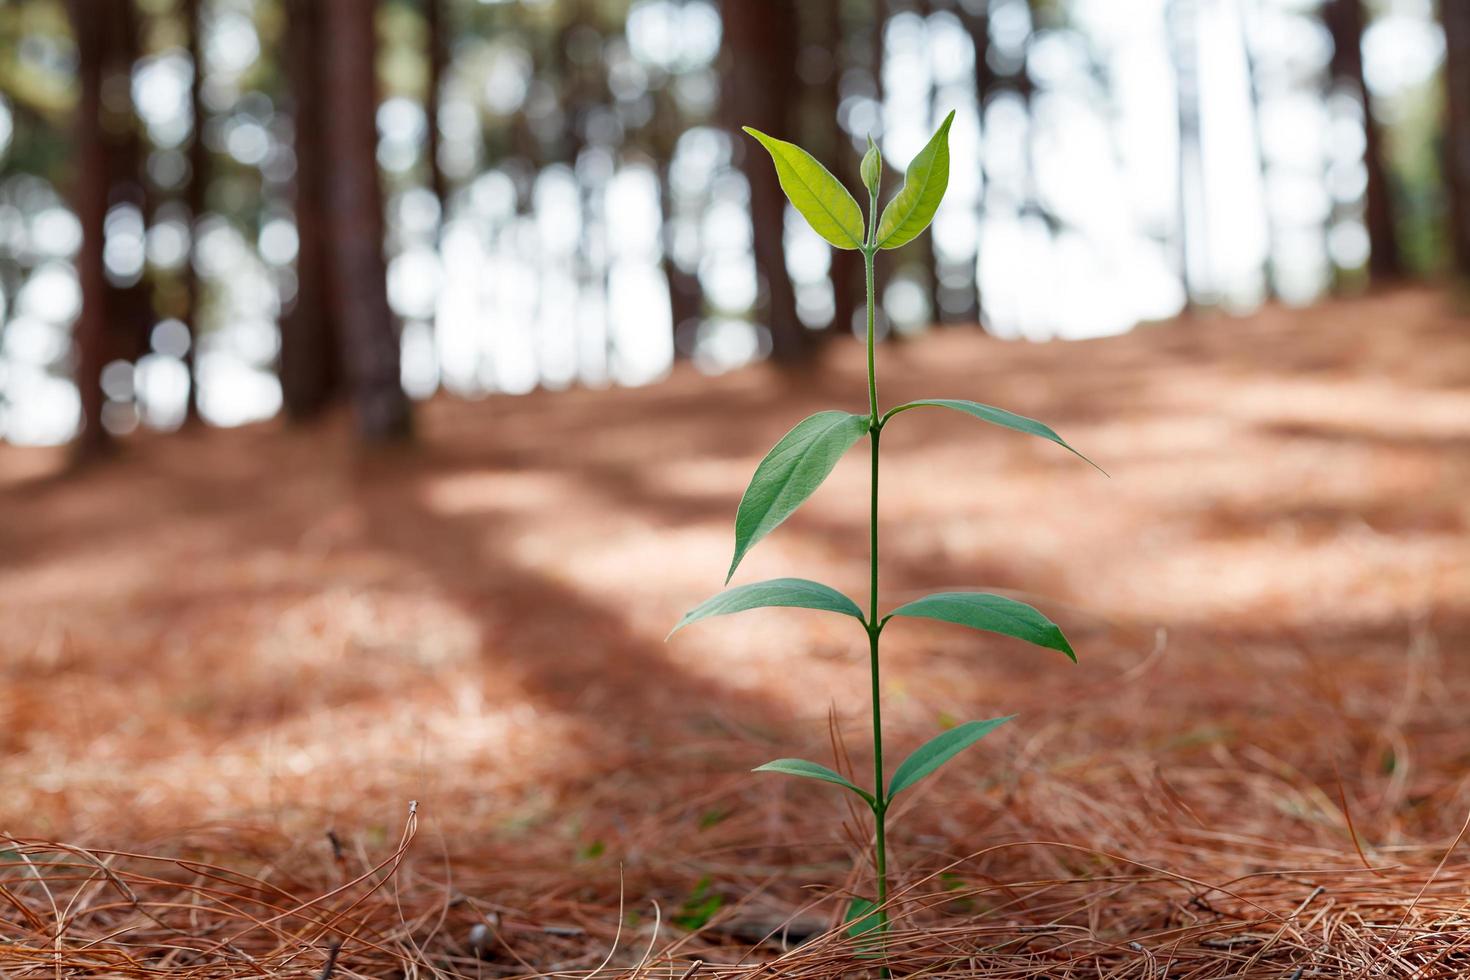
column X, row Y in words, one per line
column 230, row 660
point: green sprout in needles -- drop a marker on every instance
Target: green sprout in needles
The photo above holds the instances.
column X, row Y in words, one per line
column 801, row 460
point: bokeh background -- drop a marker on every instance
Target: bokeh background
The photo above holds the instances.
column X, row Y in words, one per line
column 379, row 378
column 562, row 202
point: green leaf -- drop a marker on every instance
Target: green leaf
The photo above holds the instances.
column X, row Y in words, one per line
column 939, row 750
column 862, row 918
column 924, row 184
column 812, row 770
column 820, row 197
column 797, row 592
column 790, row 473
column 992, row 613
column 995, row 416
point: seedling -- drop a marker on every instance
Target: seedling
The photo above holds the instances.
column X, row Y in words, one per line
column 798, row 464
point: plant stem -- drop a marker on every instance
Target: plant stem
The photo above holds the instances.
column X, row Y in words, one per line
column 875, row 627
column 880, row 805
column 872, row 373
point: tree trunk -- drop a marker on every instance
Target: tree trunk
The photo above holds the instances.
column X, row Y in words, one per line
column 90, row 201
column 931, row 247
column 130, row 304
column 115, row 318
column 309, row 372
column 357, row 273
column 760, row 60
column 196, row 195
column 1345, row 21
column 976, row 18
column 846, row 272
column 1455, row 14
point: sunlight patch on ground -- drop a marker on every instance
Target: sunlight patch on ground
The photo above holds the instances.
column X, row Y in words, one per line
column 497, row 490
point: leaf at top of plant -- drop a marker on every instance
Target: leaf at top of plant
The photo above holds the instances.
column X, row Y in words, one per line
column 871, row 169
column 790, row 473
column 992, row 613
column 996, row 416
column 820, row 197
column 812, row 770
column 795, row 592
column 939, row 750
column 924, row 184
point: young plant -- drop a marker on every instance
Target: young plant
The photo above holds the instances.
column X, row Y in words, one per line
column 798, row 464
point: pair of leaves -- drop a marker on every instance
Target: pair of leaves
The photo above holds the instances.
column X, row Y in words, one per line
column 977, row 610
column 833, row 213
column 926, row 759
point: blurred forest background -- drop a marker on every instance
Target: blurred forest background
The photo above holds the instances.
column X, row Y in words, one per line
column 192, row 192
column 231, row 655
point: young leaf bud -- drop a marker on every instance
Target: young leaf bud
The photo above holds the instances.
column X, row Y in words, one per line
column 872, row 168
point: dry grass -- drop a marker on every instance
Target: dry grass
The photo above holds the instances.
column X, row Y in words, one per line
column 225, row 646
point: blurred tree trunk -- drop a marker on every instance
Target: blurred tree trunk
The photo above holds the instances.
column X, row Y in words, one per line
column 1345, row 21
column 931, row 246
column 357, row 272
column 438, row 59
column 1455, row 15
column 975, row 15
column 585, row 96
column 130, row 302
column 115, row 317
column 846, row 272
column 686, row 295
column 309, row 372
column 91, row 180
column 760, row 83
column 926, row 243
column 195, row 194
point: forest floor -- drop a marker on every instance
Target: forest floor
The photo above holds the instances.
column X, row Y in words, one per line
column 230, row 659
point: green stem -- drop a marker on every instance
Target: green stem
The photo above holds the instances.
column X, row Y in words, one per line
column 880, row 798
column 875, row 627
column 872, row 374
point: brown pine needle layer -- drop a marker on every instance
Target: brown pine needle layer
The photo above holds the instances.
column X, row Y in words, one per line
column 231, row 660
